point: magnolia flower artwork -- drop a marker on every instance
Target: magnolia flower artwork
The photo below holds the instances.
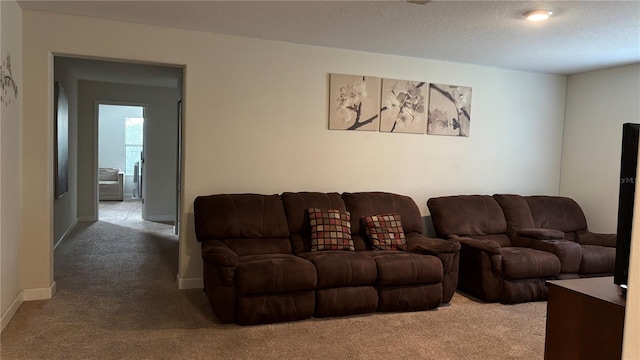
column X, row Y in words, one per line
column 7, row 82
column 449, row 110
column 354, row 102
column 403, row 106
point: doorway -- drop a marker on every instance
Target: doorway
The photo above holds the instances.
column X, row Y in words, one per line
column 120, row 154
column 123, row 117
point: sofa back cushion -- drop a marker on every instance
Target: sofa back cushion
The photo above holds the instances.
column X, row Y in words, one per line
column 516, row 212
column 557, row 212
column 296, row 206
column 466, row 215
column 376, row 203
column 502, row 239
column 108, row 174
column 248, row 223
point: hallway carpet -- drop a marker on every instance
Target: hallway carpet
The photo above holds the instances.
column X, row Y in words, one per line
column 117, row 299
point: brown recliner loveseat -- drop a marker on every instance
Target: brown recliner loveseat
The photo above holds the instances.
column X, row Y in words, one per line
column 597, row 252
column 259, row 267
column 492, row 268
column 511, row 244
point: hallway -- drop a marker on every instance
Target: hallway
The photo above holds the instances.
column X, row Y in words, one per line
column 113, row 276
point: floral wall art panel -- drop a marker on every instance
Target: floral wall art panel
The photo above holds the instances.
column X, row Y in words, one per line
column 403, row 106
column 449, row 110
column 354, row 102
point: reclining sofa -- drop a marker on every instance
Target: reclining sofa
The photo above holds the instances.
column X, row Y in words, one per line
column 274, row 258
column 511, row 244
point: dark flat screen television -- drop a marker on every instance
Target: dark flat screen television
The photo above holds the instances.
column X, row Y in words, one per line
column 628, row 165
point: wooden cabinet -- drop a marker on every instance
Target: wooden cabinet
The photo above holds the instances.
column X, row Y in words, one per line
column 585, row 319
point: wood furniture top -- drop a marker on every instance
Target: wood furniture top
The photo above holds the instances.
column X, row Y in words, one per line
column 601, row 288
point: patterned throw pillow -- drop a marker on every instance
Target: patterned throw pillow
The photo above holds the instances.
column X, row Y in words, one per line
column 330, row 230
column 385, row 231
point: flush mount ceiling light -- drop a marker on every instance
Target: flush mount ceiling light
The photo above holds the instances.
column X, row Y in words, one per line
column 537, row 15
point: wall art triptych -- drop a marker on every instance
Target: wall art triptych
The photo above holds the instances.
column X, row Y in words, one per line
column 401, row 106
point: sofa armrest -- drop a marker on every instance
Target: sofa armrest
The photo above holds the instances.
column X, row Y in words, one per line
column 589, row 238
column 489, row 246
column 217, row 253
column 541, row 234
column 568, row 252
column 421, row 244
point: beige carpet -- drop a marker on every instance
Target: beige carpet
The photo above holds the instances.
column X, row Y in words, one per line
column 117, row 299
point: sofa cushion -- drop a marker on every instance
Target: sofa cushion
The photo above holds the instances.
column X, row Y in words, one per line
column 330, row 230
column 597, row 259
column 467, row 215
column 541, row 234
column 274, row 273
column 524, row 263
column 385, row 231
column 342, row 268
column 402, row 268
column 296, row 205
column 108, row 174
column 107, row 182
column 372, row 203
column 516, row 212
column 238, row 216
column 556, row 212
column 588, row 238
column 255, row 246
column 501, row 239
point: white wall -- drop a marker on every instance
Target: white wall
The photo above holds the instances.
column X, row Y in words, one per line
column 598, row 103
column 255, row 120
column 65, row 211
column 160, row 145
column 111, row 139
column 111, row 135
column 10, row 164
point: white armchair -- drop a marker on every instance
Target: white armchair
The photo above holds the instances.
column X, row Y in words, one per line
column 110, row 184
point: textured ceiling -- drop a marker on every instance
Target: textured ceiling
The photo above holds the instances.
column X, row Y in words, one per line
column 580, row 36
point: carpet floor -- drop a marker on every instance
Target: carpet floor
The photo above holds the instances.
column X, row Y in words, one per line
column 117, row 299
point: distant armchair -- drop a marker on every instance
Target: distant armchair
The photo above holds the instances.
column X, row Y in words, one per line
column 110, row 184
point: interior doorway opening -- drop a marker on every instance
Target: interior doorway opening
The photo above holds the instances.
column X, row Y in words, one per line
column 120, row 152
column 120, row 155
column 138, row 152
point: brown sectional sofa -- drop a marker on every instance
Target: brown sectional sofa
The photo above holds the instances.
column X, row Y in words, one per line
column 258, row 267
column 597, row 252
column 511, row 244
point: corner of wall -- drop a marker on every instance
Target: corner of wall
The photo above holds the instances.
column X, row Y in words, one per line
column 11, row 310
column 189, row 283
column 11, row 145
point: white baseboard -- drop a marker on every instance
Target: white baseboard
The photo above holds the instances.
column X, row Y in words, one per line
column 11, row 310
column 190, row 283
column 160, row 218
column 87, row 218
column 66, row 233
column 26, row 295
column 39, row 293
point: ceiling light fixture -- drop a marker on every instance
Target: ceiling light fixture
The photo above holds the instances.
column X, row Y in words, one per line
column 537, row 15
